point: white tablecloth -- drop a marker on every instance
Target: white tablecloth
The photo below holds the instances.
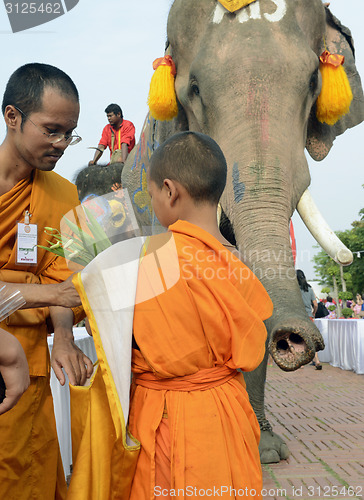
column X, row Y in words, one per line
column 61, row 398
column 344, row 339
column 322, row 325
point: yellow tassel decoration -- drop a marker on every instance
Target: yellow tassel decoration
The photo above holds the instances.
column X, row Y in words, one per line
column 336, row 95
column 162, row 95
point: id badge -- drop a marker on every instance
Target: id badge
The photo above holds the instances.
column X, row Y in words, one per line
column 27, row 250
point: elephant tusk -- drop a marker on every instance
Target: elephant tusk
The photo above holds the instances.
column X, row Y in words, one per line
column 322, row 233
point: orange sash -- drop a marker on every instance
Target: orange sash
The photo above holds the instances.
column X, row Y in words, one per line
column 199, row 381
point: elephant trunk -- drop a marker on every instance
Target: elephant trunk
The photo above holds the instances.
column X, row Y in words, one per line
column 267, row 175
column 262, row 237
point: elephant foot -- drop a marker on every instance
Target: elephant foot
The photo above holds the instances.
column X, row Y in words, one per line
column 272, row 448
column 295, row 344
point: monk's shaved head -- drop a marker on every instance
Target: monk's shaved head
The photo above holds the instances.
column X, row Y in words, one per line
column 26, row 86
column 195, row 161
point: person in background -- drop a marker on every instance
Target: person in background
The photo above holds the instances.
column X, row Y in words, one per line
column 118, row 136
column 357, row 305
column 310, row 303
column 331, row 307
column 321, row 312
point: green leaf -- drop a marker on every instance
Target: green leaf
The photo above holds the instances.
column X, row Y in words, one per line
column 86, row 238
column 57, row 251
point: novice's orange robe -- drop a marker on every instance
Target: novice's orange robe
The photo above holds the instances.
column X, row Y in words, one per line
column 30, row 462
column 189, row 406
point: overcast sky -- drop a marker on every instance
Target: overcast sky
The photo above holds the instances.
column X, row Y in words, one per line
column 108, row 48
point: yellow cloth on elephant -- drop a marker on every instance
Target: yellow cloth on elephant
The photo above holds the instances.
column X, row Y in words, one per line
column 30, row 463
column 104, row 454
column 192, row 339
column 233, row 5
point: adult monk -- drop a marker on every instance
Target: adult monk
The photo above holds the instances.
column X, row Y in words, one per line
column 118, row 136
column 40, row 108
column 189, row 407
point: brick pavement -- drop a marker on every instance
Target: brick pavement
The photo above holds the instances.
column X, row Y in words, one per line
column 320, row 414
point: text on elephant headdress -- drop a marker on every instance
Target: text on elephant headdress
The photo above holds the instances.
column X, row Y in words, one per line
column 249, row 10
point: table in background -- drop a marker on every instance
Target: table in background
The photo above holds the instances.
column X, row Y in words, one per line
column 322, row 325
column 61, row 397
column 344, row 340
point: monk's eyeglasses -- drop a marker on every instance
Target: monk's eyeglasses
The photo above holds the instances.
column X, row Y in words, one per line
column 55, row 137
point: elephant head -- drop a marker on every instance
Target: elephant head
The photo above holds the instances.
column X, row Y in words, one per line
column 250, row 79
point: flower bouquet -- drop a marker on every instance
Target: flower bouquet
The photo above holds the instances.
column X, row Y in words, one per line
column 76, row 244
column 93, row 226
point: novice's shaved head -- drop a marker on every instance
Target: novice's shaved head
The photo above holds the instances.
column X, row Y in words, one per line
column 195, row 161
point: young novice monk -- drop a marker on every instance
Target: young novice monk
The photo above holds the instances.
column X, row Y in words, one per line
column 189, row 407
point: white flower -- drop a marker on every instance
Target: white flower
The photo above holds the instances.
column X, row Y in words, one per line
column 68, row 244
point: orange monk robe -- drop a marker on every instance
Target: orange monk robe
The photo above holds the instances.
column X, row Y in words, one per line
column 30, row 463
column 189, row 406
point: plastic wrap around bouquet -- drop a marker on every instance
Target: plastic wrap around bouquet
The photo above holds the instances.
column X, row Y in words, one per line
column 93, row 226
column 10, row 301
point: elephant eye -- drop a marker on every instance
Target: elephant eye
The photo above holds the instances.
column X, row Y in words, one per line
column 314, row 81
column 194, row 89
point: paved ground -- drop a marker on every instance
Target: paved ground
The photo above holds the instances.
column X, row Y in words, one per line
column 320, row 414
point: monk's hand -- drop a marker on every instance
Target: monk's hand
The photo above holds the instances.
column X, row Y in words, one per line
column 51, row 294
column 67, row 294
column 14, row 370
column 66, row 355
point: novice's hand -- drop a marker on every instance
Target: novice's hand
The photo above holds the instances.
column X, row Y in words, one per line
column 14, row 370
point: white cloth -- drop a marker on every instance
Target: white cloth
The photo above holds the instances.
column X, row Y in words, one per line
column 61, row 397
column 344, row 339
column 110, row 282
column 322, row 325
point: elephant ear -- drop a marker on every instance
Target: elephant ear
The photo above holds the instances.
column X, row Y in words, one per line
column 321, row 136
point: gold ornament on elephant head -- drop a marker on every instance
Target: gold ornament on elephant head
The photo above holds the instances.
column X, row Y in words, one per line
column 234, row 5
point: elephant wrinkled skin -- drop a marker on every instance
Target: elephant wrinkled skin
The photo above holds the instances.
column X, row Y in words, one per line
column 250, row 80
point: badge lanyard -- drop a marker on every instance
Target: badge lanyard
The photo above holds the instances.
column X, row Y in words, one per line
column 27, row 240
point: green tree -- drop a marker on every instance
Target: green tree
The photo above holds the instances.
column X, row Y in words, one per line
column 354, row 239
column 353, row 275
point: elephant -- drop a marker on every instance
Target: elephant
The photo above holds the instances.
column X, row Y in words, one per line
column 250, row 79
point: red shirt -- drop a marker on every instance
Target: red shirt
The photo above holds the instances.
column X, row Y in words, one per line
column 125, row 134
